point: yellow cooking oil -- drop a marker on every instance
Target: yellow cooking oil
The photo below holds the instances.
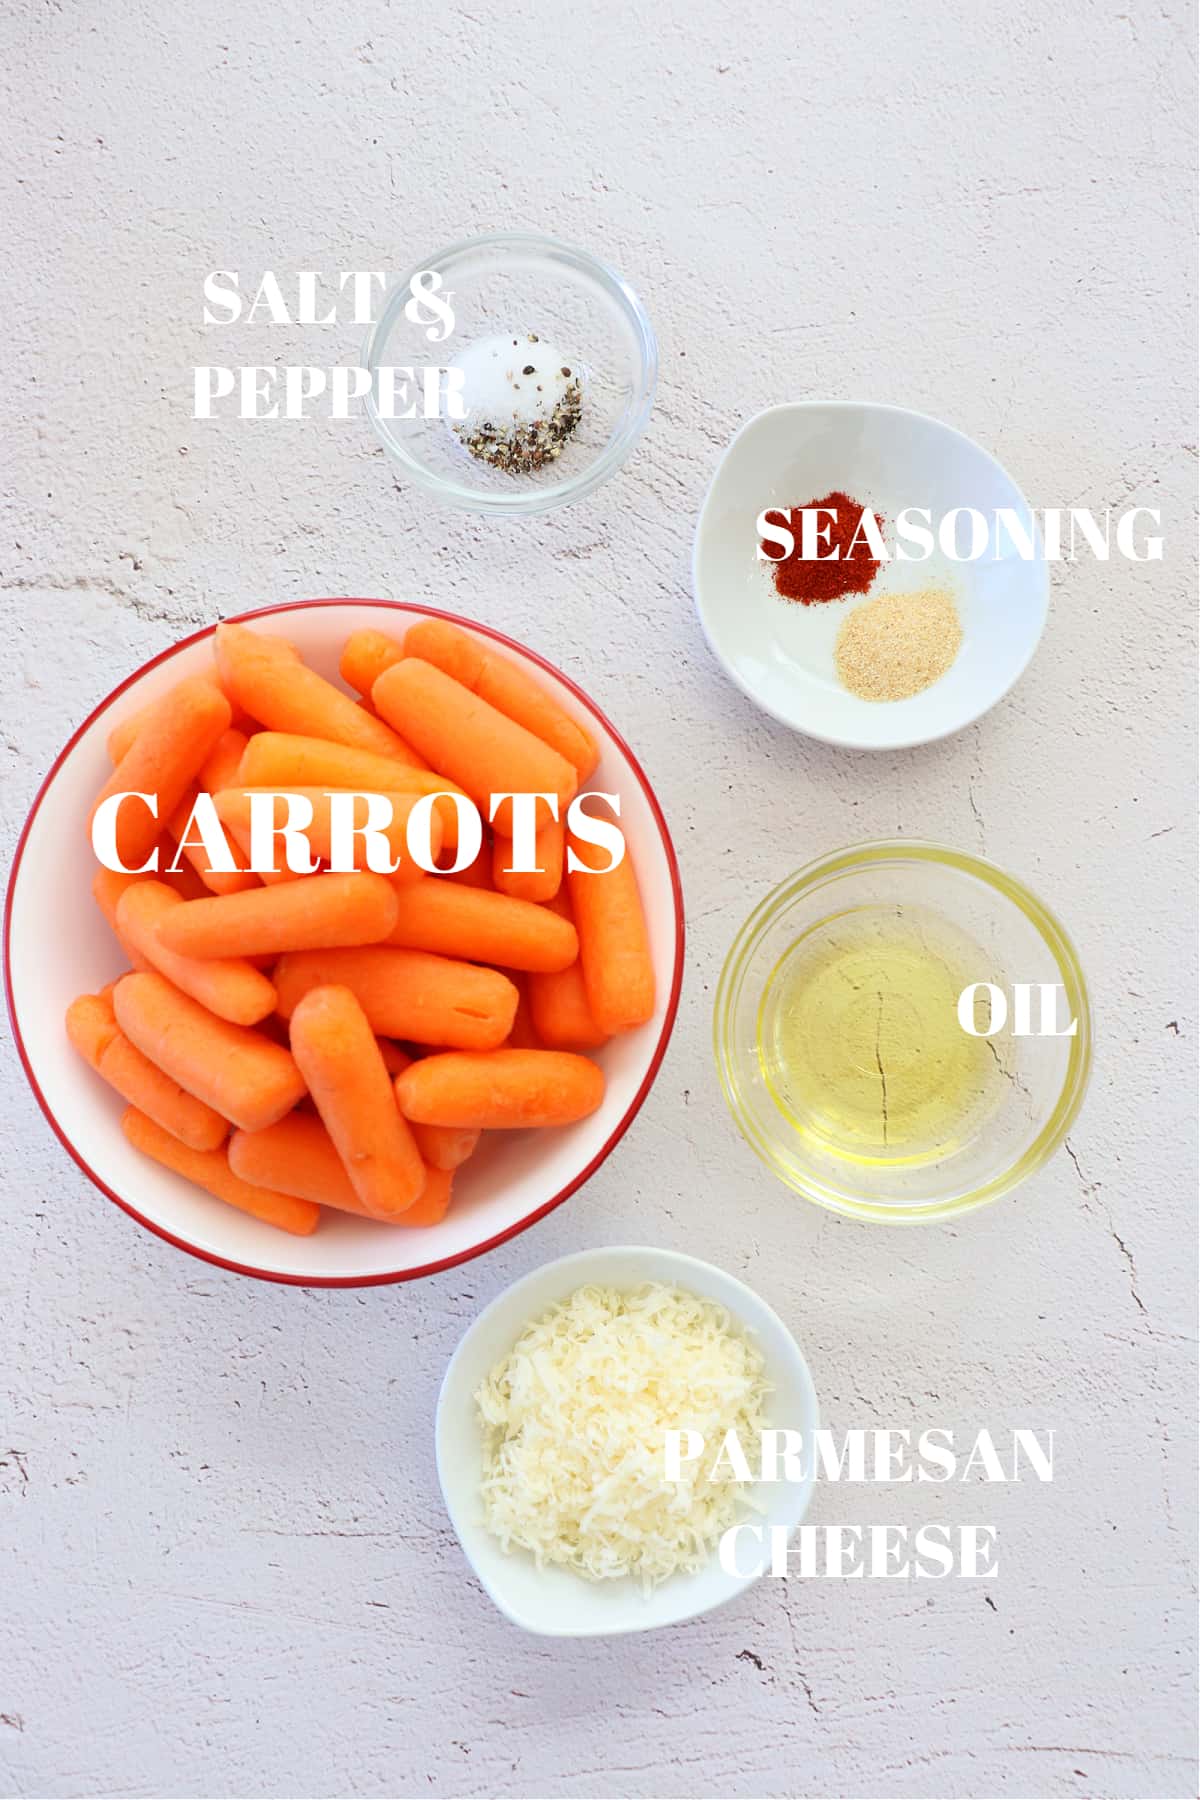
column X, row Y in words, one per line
column 860, row 1042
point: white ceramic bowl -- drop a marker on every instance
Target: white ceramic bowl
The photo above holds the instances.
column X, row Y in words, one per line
column 781, row 653
column 57, row 945
column 557, row 1602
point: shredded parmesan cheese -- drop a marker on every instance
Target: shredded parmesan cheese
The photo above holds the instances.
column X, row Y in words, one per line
column 575, row 1421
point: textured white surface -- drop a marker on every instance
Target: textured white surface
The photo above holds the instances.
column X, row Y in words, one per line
column 224, row 1567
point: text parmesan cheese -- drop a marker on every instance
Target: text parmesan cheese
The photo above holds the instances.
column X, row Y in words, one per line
column 575, row 1421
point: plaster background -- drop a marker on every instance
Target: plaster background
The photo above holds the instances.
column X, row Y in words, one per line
column 224, row 1565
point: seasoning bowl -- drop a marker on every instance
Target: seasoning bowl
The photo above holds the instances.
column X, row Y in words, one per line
column 57, row 946
column 556, row 1602
column 521, row 282
column 1029, row 1088
column 780, row 652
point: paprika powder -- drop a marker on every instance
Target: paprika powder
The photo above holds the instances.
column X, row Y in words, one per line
column 850, row 571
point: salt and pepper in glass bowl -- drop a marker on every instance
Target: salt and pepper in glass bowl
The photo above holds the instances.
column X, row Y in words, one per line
column 554, row 359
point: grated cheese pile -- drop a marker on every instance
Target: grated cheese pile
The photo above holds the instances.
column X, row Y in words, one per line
column 575, row 1421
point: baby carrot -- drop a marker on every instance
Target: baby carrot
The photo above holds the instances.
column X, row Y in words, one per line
column 322, row 913
column 505, row 685
column 164, row 759
column 614, row 948
column 450, row 919
column 210, row 1169
column 121, row 737
column 365, row 655
column 434, row 1203
column 441, row 1146
column 220, row 770
column 93, row 1030
column 299, row 1157
column 182, row 881
column 541, row 883
column 558, row 1003
column 336, row 1052
column 295, row 1156
column 229, row 986
column 233, row 809
column 524, row 1035
column 281, row 761
column 236, row 1071
column 501, row 1090
column 287, row 696
column 107, row 887
column 463, row 737
column 408, row 994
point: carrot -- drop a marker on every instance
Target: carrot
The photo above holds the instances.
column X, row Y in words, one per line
column 233, row 809
column 295, row 1156
column 365, row 655
column 336, row 1052
column 441, row 1146
column 505, row 685
column 280, row 760
column 449, row 919
column 287, row 696
column 120, row 738
column 210, row 1169
column 219, row 771
column 107, row 887
column 323, row 913
column 163, row 759
column 614, row 947
column 502, row 1090
column 236, row 1071
column 543, row 882
column 299, row 1157
column 434, row 1203
column 408, row 994
column 463, row 737
column 183, row 881
column 395, row 1060
column 93, row 1030
column 477, row 874
column 558, row 1003
column 226, row 985
column 523, row 1035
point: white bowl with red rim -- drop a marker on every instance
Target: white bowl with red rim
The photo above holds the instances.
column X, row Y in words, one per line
column 57, row 945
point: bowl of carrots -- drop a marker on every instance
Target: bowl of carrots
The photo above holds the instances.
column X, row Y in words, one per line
column 338, row 1078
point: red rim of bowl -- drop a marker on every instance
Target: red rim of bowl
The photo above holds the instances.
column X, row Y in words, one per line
column 635, row 1105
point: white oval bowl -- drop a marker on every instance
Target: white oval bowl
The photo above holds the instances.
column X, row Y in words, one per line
column 557, row 1602
column 780, row 653
column 57, row 945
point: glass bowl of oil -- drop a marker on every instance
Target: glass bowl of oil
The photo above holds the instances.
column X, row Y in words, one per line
column 853, row 1064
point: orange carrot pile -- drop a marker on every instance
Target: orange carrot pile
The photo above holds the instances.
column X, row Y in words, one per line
column 299, row 1042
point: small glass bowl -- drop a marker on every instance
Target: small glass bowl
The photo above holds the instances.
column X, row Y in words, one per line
column 523, row 282
column 1023, row 1106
